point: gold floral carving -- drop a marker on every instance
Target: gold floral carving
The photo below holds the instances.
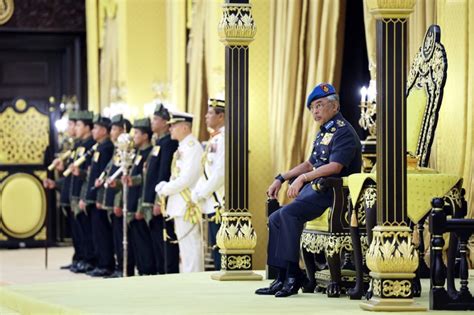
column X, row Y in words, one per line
column 237, row 27
column 370, row 197
column 396, row 288
column 6, row 10
column 25, row 136
column 376, row 287
column 40, row 174
column 392, row 251
column 236, row 232
column 3, row 237
column 239, row 262
column 330, row 244
column 454, row 197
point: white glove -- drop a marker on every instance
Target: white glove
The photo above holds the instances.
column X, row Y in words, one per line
column 159, row 187
column 196, row 197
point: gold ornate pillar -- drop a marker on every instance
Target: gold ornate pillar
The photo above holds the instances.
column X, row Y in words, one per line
column 236, row 237
column 392, row 257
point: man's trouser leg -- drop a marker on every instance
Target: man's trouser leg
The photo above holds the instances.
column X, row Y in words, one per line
column 213, row 229
column 309, row 205
column 142, row 247
column 74, row 235
column 103, row 238
column 84, row 219
column 172, row 249
column 190, row 245
column 117, row 233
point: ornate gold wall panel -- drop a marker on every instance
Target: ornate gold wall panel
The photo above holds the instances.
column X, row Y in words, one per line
column 24, row 136
column 22, row 217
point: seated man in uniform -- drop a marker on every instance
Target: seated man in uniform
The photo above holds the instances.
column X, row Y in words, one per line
column 336, row 153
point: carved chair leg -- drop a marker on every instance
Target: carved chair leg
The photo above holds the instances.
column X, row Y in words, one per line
column 334, row 263
column 310, row 266
column 370, row 222
column 357, row 291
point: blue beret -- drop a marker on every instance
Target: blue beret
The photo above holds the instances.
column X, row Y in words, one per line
column 320, row 91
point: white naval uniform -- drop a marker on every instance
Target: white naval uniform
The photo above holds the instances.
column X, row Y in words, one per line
column 184, row 175
column 212, row 188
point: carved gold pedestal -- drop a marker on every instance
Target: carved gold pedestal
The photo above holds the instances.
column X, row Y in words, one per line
column 236, row 239
column 393, row 260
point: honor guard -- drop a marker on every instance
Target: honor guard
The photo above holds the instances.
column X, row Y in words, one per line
column 101, row 229
column 111, row 187
column 210, row 189
column 60, row 163
column 140, row 238
column 185, row 171
column 81, row 162
column 158, row 169
column 336, row 153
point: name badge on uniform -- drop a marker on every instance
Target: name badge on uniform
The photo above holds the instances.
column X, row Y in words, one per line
column 96, row 156
column 156, row 150
column 80, row 151
column 138, row 159
column 327, row 138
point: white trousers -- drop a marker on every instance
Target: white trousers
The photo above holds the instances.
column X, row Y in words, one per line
column 190, row 245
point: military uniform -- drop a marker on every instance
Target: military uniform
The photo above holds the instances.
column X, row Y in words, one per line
column 158, row 169
column 101, row 228
column 84, row 149
column 140, row 238
column 185, row 173
column 337, row 142
column 210, row 188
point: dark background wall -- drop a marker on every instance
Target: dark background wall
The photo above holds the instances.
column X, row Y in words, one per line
column 355, row 68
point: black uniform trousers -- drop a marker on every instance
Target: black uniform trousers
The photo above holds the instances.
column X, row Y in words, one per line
column 84, row 220
column 287, row 223
column 172, row 250
column 213, row 229
column 117, row 232
column 103, row 240
column 75, row 234
column 142, row 247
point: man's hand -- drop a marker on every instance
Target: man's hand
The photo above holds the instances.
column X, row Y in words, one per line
column 58, row 165
column 127, row 180
column 98, row 205
column 112, row 183
column 75, row 170
column 274, row 188
column 118, row 211
column 295, row 187
column 82, row 205
column 98, row 182
column 156, row 210
column 139, row 215
column 49, row 183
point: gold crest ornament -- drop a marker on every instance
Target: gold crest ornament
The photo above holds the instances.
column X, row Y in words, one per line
column 340, row 123
column 191, row 143
column 6, row 11
column 325, row 88
column 327, row 138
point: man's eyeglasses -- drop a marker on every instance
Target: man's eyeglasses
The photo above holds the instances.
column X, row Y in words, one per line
column 317, row 106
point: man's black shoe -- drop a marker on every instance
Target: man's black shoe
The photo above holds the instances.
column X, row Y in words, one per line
column 115, row 274
column 66, row 267
column 99, row 272
column 291, row 287
column 84, row 267
column 273, row 288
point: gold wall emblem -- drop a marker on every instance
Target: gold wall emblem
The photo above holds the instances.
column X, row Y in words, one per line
column 6, row 10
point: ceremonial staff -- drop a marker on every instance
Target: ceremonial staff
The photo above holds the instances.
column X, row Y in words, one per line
column 126, row 153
